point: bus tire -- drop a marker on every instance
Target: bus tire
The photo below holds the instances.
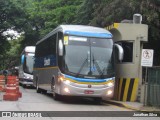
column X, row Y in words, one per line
column 53, row 84
column 37, row 88
column 43, row 91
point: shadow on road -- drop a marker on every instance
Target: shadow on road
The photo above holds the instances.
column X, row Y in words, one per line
column 78, row 100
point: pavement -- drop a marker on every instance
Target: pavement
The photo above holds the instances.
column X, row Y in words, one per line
column 136, row 106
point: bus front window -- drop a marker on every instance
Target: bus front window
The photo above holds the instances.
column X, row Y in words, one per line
column 89, row 57
column 28, row 64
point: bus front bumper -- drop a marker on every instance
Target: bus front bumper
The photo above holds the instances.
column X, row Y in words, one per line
column 28, row 82
column 86, row 90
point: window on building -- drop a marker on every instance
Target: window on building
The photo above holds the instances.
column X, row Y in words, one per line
column 128, row 50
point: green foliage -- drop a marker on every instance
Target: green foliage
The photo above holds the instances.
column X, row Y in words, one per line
column 12, row 17
column 48, row 14
column 85, row 11
column 105, row 12
column 13, row 53
column 12, row 14
column 36, row 18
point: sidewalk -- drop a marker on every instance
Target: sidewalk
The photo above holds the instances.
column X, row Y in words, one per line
column 134, row 106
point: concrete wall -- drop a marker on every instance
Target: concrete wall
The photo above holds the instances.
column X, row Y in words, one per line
column 136, row 33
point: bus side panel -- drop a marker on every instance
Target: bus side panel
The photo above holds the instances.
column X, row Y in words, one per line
column 45, row 78
column 44, row 71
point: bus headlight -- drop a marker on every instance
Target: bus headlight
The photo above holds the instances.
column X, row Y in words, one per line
column 67, row 82
column 66, row 90
column 26, row 77
column 61, row 77
column 109, row 92
column 110, row 84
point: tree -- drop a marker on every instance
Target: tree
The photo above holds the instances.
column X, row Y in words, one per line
column 105, row 12
column 12, row 17
column 33, row 18
column 14, row 53
column 36, row 18
column 48, row 14
column 85, row 11
column 4, row 46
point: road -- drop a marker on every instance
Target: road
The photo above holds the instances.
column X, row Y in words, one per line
column 32, row 101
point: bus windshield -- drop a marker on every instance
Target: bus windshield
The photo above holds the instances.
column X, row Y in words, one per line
column 89, row 57
column 28, row 63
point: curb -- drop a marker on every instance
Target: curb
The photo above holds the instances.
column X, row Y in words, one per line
column 118, row 103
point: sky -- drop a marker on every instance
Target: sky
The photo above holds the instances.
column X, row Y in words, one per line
column 12, row 34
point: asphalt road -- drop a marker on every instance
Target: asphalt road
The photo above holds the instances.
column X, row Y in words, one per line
column 32, row 101
column 35, row 102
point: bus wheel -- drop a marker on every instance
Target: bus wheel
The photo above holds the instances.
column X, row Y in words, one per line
column 53, row 84
column 37, row 88
column 97, row 100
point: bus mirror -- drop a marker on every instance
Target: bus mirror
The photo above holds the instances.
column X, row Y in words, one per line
column 120, row 52
column 22, row 59
column 60, row 48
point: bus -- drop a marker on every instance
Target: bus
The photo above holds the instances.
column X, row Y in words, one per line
column 26, row 67
column 75, row 60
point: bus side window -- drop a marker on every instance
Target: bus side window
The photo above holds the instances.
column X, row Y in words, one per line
column 52, row 45
column 48, row 47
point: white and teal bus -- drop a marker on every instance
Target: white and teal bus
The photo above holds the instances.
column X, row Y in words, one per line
column 75, row 60
column 26, row 67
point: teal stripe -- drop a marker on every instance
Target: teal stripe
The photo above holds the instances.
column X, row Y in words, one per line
column 88, row 80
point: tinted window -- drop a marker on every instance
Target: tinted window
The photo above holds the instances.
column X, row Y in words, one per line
column 47, row 47
column 128, row 50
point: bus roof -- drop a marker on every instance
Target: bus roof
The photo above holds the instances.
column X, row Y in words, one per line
column 88, row 31
column 30, row 49
column 80, row 30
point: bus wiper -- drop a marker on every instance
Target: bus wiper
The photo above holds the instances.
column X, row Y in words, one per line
column 81, row 67
column 98, row 67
